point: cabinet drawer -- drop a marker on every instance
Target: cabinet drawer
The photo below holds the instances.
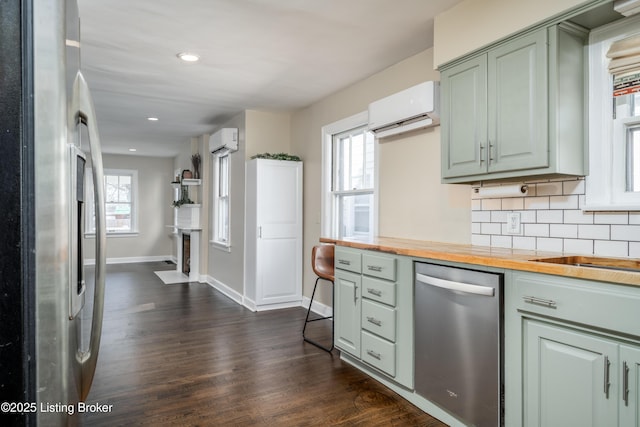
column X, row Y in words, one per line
column 379, row 290
column 379, row 353
column 380, row 266
column 603, row 305
column 379, row 319
column 348, row 259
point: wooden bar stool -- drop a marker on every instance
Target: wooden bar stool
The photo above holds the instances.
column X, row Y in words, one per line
column 322, row 264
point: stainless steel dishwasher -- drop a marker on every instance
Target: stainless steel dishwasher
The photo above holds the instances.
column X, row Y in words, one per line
column 459, row 342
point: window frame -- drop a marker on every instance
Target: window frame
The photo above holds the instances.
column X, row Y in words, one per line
column 90, row 207
column 606, row 181
column 221, row 202
column 329, row 207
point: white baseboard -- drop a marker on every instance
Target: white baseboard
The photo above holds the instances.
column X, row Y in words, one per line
column 130, row 260
column 319, row 308
column 226, row 290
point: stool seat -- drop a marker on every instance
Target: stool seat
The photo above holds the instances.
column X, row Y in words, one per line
column 322, row 259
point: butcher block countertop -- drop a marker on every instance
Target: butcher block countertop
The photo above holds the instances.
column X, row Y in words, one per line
column 512, row 259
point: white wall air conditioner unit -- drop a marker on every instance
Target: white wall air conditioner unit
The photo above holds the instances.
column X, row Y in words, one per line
column 413, row 108
column 224, row 139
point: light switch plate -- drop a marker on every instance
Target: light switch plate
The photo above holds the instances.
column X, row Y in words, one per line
column 513, row 223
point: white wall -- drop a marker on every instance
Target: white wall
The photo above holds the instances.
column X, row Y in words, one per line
column 413, row 202
column 154, row 211
column 472, row 24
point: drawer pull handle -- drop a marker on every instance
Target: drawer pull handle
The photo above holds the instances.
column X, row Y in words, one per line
column 344, row 262
column 607, row 381
column 374, row 321
column 375, row 292
column 625, row 383
column 374, row 268
column 540, row 301
column 374, row 354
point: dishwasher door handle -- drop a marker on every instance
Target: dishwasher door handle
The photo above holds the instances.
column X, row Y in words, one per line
column 456, row 286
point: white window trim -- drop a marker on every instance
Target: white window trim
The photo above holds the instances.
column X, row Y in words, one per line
column 134, row 203
column 604, row 188
column 327, row 226
column 215, row 242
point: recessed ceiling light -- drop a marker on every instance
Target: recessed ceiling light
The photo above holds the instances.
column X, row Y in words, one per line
column 188, row 57
column 132, row 149
column 152, row 119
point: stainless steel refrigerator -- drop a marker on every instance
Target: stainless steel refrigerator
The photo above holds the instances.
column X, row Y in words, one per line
column 48, row 138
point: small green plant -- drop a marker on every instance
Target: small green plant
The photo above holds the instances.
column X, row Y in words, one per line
column 277, row 156
column 178, row 203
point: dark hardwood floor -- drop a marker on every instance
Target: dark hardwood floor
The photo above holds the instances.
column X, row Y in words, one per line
column 185, row 355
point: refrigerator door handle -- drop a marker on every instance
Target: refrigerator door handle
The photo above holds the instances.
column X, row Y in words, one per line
column 455, row 286
column 85, row 113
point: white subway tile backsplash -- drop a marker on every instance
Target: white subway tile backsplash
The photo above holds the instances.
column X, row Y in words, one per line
column 611, row 217
column 481, row 240
column 490, row 228
column 575, row 216
column 536, row 230
column 536, row 203
column 589, row 231
column 522, row 242
column 499, row 216
column 625, row 232
column 567, row 231
column 513, row 203
column 563, row 202
column 552, row 219
column 573, row 187
column 578, row 246
column 475, row 228
column 528, row 217
column 610, row 248
column 550, row 216
column 549, row 189
column 501, row 241
column 547, row 244
column 480, row 216
column 491, row 204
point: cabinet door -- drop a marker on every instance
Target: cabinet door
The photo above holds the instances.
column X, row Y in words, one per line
column 565, row 373
column 464, row 118
column 629, row 386
column 517, row 97
column 348, row 308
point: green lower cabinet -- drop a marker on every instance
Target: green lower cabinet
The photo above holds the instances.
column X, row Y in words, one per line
column 574, row 378
column 348, row 307
column 630, row 386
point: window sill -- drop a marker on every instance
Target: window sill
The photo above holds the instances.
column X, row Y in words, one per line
column 114, row 234
column 220, row 246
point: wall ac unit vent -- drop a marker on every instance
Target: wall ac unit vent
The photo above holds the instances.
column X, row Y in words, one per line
column 413, row 108
column 224, row 139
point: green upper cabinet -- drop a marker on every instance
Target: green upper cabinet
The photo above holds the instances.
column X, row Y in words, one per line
column 516, row 109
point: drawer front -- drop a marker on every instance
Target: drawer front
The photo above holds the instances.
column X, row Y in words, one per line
column 379, row 290
column 603, row 305
column 379, row 353
column 379, row 319
column 348, row 259
column 380, row 266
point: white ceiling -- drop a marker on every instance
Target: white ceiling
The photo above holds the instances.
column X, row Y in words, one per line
column 273, row 55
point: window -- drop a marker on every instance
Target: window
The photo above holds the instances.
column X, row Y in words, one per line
column 120, row 191
column 349, row 179
column 221, row 234
column 614, row 117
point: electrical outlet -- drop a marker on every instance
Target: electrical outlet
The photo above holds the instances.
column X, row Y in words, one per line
column 513, row 223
